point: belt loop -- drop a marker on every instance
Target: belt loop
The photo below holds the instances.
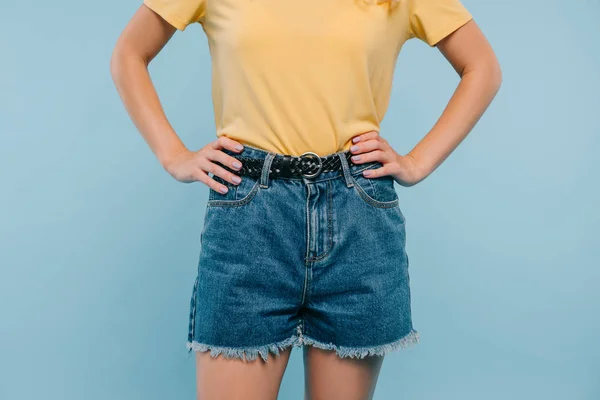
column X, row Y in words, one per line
column 345, row 168
column 305, row 180
column 266, row 169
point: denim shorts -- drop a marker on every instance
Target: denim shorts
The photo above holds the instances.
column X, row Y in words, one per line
column 302, row 261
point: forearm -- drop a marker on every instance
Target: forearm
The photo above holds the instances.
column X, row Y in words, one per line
column 469, row 101
column 134, row 85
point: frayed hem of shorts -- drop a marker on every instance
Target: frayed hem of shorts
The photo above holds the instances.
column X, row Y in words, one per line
column 247, row 353
column 406, row 341
column 252, row 353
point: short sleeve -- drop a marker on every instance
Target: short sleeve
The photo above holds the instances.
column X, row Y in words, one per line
column 179, row 13
column 433, row 20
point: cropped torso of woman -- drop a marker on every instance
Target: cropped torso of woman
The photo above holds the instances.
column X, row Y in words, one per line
column 290, row 77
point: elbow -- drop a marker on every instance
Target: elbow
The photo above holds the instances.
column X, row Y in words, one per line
column 495, row 75
column 115, row 64
column 123, row 59
column 487, row 73
column 492, row 72
column 485, row 69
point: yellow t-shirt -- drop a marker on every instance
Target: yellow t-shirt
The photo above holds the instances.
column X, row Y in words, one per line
column 306, row 75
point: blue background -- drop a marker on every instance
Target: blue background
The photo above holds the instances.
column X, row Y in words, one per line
column 99, row 246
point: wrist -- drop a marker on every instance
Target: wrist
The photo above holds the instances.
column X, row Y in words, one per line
column 418, row 169
column 166, row 158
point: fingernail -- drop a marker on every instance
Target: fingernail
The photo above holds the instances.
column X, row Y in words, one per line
column 237, row 164
column 353, row 148
column 236, row 179
column 223, row 189
column 239, row 147
column 366, row 173
column 355, row 158
column 356, row 139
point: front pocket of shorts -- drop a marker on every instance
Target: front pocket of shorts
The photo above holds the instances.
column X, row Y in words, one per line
column 377, row 192
column 237, row 195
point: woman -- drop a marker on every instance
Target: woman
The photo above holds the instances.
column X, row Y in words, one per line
column 303, row 241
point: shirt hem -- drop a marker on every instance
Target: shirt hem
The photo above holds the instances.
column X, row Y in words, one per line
column 174, row 20
column 448, row 29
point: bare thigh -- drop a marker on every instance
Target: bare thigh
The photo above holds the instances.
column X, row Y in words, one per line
column 234, row 379
column 329, row 377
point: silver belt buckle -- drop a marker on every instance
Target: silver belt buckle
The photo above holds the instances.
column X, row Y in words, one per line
column 315, row 155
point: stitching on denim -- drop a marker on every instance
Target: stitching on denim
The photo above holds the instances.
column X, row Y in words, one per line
column 329, row 225
column 192, row 327
column 300, row 331
column 330, row 215
column 238, row 202
column 305, row 285
column 306, row 258
column 266, row 170
column 319, row 257
column 375, row 203
column 306, row 208
column 372, row 186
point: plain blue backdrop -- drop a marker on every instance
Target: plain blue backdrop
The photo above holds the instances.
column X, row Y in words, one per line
column 99, row 246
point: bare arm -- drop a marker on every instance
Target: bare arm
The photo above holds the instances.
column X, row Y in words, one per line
column 141, row 40
column 471, row 55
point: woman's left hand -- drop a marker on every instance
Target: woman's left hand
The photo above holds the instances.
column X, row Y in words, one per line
column 370, row 146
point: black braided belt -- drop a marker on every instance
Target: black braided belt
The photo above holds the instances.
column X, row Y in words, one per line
column 308, row 165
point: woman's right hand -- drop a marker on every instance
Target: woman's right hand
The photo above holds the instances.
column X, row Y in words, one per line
column 191, row 166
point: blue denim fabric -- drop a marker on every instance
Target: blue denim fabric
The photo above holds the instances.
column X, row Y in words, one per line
column 302, row 261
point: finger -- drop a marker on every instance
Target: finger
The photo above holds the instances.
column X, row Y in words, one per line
column 223, row 142
column 365, row 136
column 203, row 177
column 215, row 169
column 369, row 145
column 224, row 158
column 376, row 172
column 375, row 155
